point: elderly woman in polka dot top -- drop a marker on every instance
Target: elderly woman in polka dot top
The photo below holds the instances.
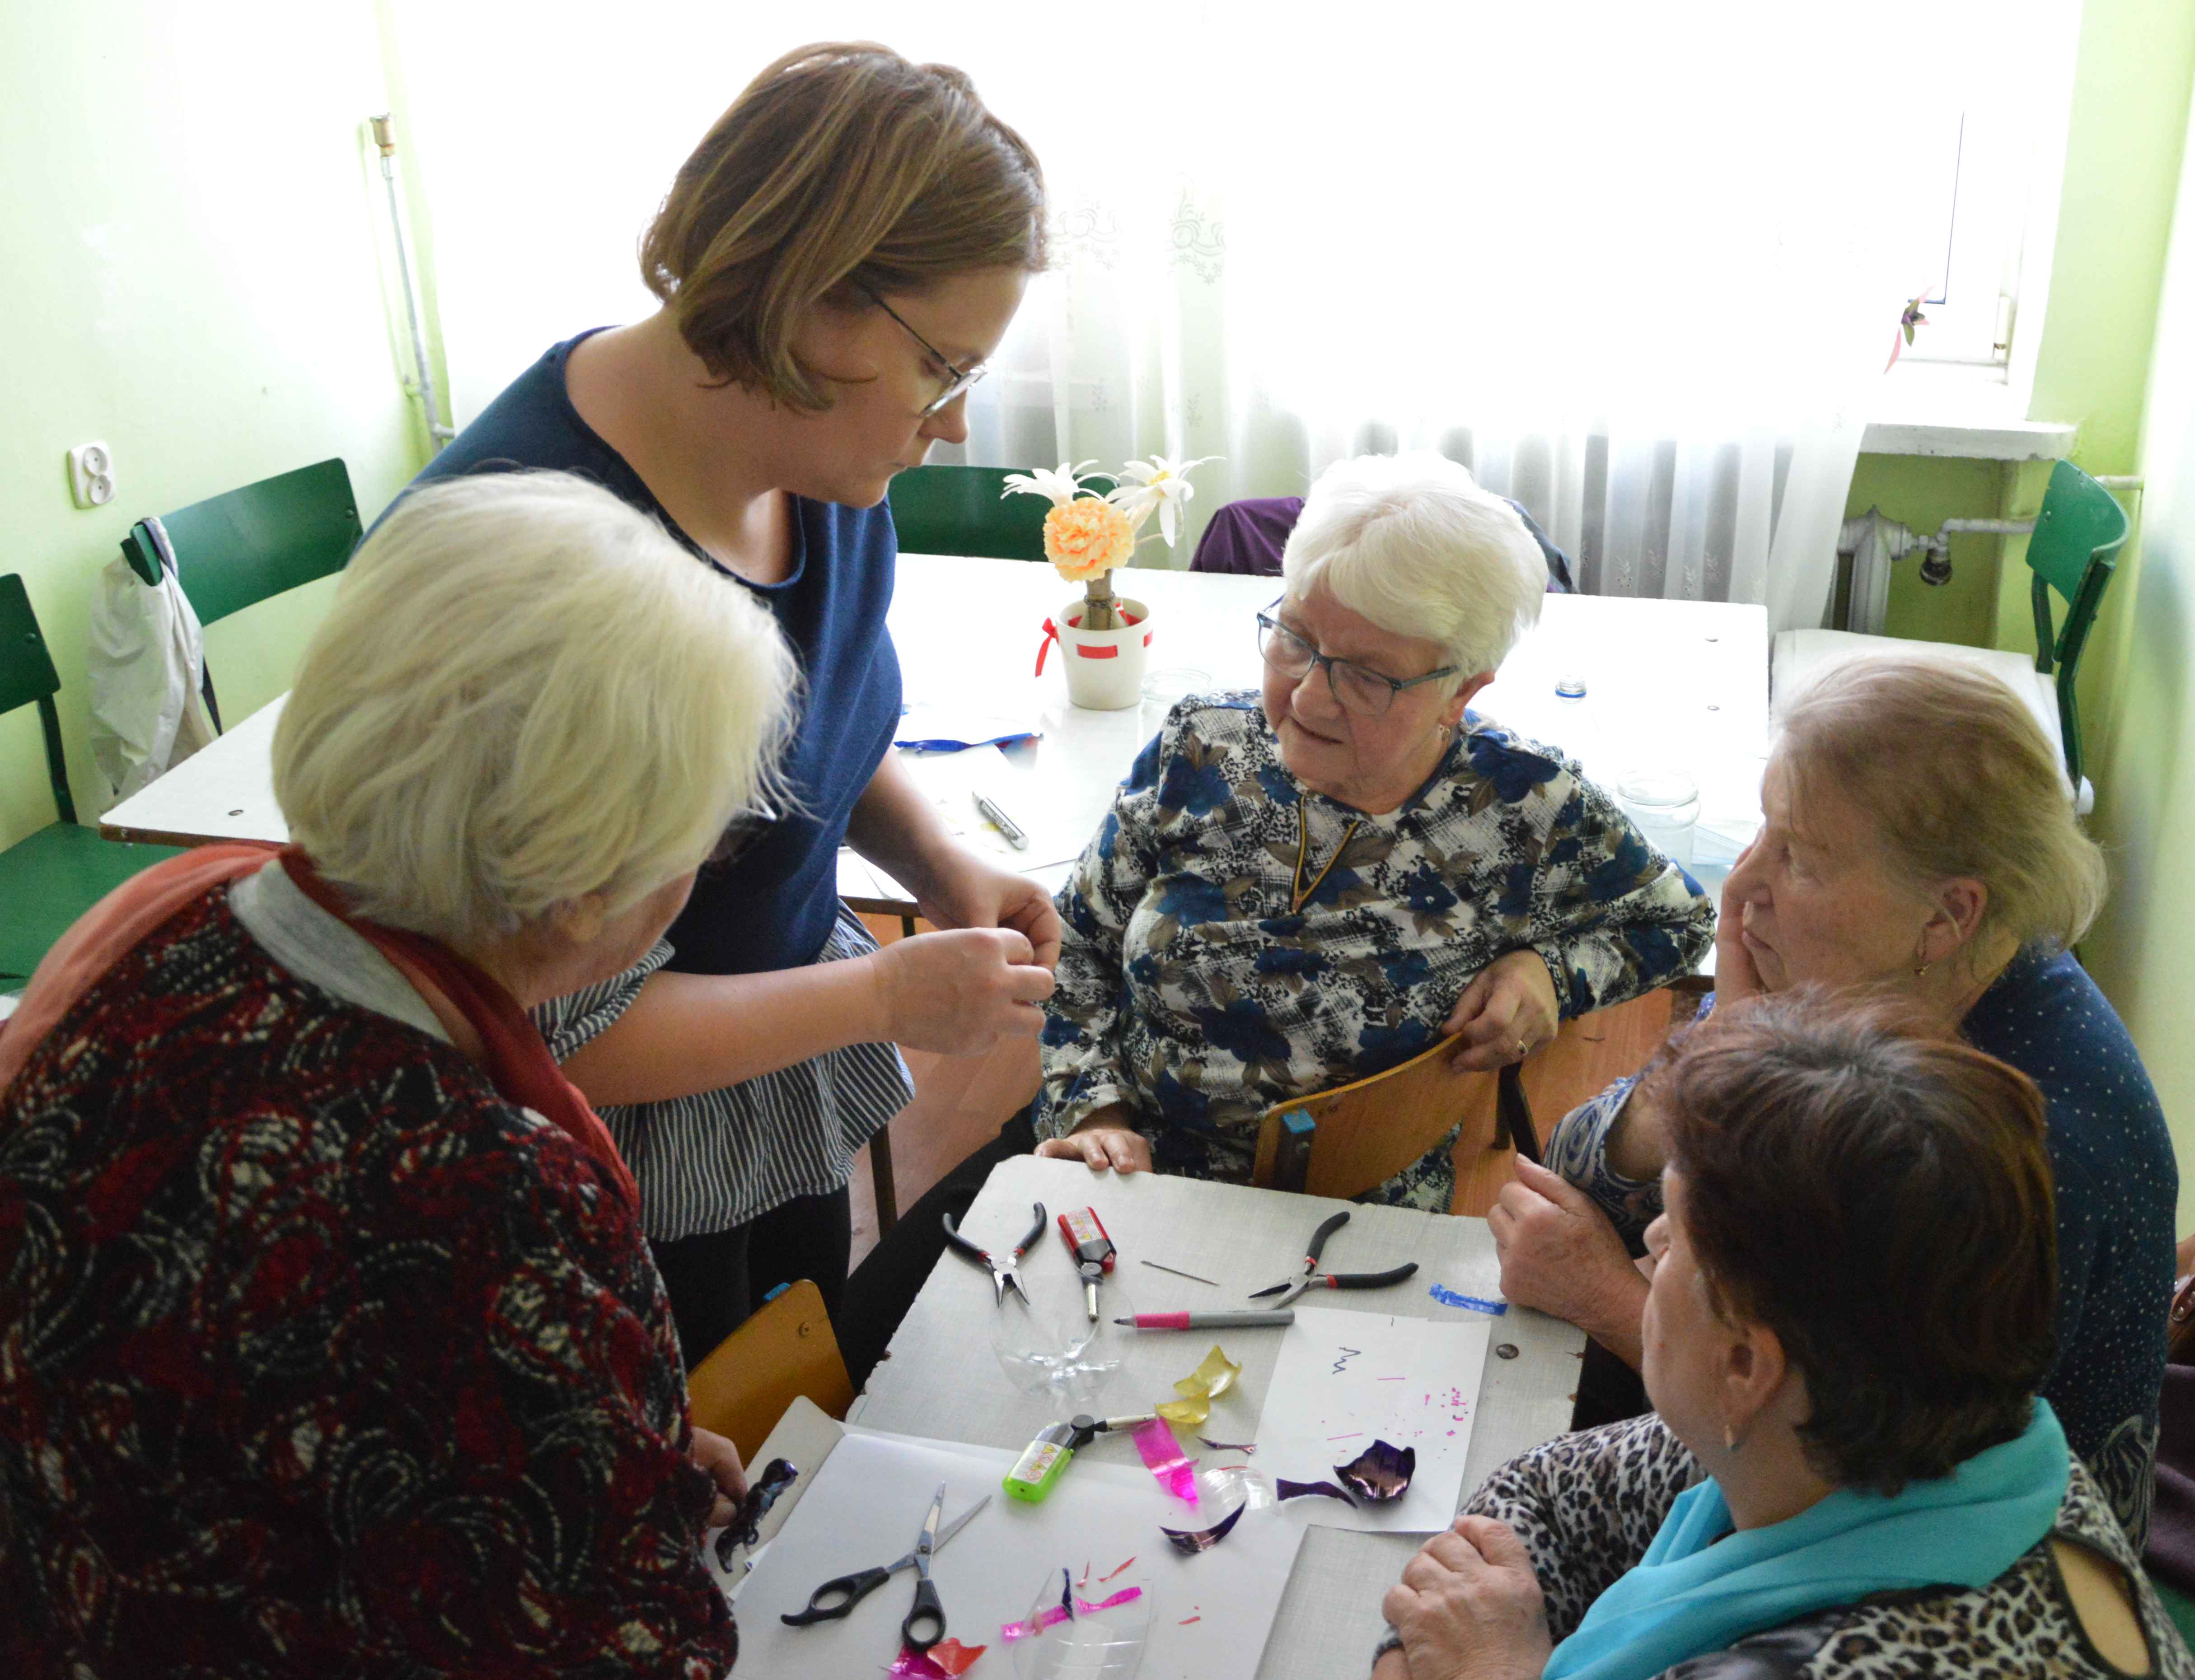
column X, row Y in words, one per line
column 1918, row 842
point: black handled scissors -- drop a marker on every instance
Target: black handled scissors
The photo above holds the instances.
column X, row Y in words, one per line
column 1288, row 1288
column 836, row 1597
column 1006, row 1274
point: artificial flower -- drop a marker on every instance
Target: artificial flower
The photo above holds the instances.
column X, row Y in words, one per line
column 1061, row 486
column 1159, row 484
column 1087, row 537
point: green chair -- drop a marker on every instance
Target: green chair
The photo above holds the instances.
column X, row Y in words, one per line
column 236, row 550
column 964, row 510
column 2074, row 550
column 51, row 878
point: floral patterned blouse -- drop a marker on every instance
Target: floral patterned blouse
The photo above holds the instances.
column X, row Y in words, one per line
column 1190, row 992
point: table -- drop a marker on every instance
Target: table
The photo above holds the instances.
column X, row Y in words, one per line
column 1678, row 683
column 941, row 1380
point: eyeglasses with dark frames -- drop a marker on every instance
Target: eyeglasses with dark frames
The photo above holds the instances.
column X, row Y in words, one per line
column 961, row 378
column 1357, row 689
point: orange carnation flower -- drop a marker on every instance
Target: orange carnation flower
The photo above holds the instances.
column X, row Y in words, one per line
column 1087, row 537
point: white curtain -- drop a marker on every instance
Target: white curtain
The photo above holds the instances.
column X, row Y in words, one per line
column 1638, row 266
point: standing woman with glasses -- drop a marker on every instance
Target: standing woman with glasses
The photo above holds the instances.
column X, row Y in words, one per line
column 835, row 261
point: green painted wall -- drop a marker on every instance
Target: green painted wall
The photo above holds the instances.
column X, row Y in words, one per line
column 2143, row 951
column 192, row 274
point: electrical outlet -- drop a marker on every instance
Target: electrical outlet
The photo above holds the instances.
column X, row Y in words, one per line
column 91, row 475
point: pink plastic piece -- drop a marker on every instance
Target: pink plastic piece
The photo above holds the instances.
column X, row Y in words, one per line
column 1174, row 1470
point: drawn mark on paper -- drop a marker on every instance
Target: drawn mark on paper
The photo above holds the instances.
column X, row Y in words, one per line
column 1346, row 1355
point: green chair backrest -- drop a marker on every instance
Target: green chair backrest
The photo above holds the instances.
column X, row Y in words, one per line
column 2073, row 551
column 966, row 510
column 27, row 675
column 236, row 550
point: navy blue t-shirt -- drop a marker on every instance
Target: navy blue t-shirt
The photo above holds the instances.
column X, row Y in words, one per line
column 775, row 908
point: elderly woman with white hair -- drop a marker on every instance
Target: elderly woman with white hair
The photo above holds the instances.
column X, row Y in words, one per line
column 1301, row 888
column 329, row 1339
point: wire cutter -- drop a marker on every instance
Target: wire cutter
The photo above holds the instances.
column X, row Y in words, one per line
column 1006, row 1274
column 1288, row 1288
column 836, row 1599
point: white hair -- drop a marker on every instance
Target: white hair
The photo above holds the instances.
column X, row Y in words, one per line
column 526, row 692
column 1413, row 543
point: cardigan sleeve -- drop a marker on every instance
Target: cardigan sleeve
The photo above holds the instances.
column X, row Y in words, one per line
column 1613, row 918
column 1586, row 1506
column 1086, row 1013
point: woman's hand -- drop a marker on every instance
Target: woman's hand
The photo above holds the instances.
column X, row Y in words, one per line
column 1507, row 1012
column 718, row 1456
column 969, row 892
column 957, row 994
column 1736, row 977
column 1559, row 1255
column 1104, row 1140
column 1468, row 1607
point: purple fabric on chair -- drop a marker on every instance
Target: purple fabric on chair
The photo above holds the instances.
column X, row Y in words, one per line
column 1245, row 539
column 2171, row 1554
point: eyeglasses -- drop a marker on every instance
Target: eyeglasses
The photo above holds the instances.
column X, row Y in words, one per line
column 1366, row 693
column 962, row 377
column 739, row 835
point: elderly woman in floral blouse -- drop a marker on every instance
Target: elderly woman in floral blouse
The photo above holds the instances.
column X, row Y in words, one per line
column 1296, row 890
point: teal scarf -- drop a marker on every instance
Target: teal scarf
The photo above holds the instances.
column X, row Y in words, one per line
column 1701, row 1586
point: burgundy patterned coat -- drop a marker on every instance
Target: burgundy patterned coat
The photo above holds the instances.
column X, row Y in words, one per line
column 318, row 1357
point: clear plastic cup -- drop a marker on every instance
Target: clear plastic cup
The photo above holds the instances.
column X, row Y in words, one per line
column 1161, row 688
column 1665, row 804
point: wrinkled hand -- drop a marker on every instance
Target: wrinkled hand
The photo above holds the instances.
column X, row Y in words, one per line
column 1507, row 1012
column 1558, row 1252
column 1736, row 977
column 718, row 1456
column 1104, row 1141
column 957, row 994
column 1468, row 1607
column 973, row 893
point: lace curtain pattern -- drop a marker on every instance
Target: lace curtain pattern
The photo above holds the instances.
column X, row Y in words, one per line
column 1638, row 267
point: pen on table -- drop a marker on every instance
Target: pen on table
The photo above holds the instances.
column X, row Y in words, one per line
column 1209, row 1320
column 1005, row 824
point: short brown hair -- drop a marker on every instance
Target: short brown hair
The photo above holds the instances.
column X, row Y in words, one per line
column 1882, row 1202
column 1958, row 779
column 842, row 170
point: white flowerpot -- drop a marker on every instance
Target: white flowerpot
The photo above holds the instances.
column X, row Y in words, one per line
column 1104, row 668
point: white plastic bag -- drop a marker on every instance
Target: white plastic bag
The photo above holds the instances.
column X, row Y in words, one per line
column 146, row 669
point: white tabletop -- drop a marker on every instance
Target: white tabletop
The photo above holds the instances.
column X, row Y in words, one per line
column 1681, row 684
column 942, row 1381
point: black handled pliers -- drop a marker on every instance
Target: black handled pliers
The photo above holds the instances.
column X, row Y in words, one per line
column 1288, row 1288
column 1006, row 1274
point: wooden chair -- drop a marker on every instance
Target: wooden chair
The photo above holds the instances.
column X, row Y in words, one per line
column 53, row 876
column 784, row 1350
column 1343, row 1142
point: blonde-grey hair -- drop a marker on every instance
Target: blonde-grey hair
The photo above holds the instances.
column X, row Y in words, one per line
column 1958, row 781
column 841, row 172
column 525, row 692
column 1413, row 543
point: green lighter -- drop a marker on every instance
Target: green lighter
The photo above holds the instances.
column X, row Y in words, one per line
column 1044, row 1459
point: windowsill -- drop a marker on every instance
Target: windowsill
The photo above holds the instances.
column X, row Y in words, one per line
column 1958, row 413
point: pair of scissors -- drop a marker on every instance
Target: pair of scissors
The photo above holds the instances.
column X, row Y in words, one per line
column 836, row 1597
column 1006, row 1274
column 1290, row 1287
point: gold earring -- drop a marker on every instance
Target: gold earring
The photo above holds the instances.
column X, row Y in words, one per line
column 1730, row 1440
column 1920, row 971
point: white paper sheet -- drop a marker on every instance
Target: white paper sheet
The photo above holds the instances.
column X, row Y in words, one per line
column 949, row 781
column 1346, row 1379
column 1211, row 1613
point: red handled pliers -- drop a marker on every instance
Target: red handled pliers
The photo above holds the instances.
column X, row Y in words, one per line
column 1290, row 1287
column 1006, row 1274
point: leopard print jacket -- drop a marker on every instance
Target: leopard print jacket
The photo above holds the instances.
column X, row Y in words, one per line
column 1586, row 1505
